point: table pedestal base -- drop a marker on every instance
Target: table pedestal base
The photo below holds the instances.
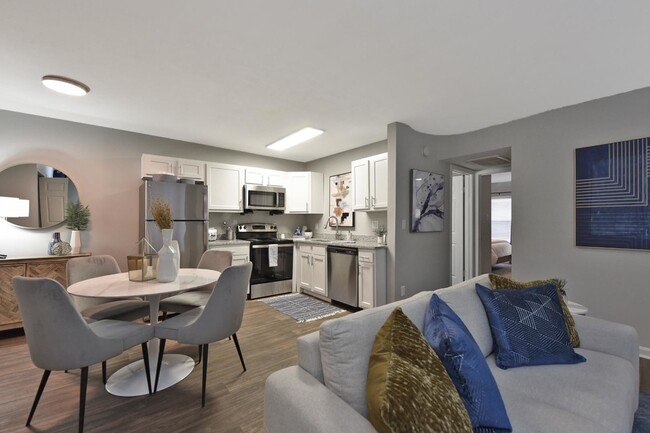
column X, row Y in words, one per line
column 131, row 381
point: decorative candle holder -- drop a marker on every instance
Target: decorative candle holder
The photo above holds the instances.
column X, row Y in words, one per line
column 143, row 267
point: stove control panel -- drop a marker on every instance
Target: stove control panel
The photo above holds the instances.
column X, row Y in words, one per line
column 257, row 228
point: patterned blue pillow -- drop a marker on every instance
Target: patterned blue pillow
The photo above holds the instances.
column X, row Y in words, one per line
column 466, row 366
column 528, row 326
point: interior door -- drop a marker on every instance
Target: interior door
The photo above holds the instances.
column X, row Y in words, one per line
column 457, row 229
column 53, row 199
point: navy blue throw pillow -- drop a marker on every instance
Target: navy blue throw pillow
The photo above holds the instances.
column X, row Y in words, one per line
column 528, row 326
column 465, row 364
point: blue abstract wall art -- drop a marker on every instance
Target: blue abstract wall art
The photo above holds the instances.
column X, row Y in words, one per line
column 427, row 201
column 612, row 208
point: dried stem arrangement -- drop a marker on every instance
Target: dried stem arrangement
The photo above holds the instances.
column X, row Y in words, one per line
column 162, row 214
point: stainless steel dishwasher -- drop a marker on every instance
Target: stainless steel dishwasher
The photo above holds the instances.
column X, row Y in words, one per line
column 342, row 269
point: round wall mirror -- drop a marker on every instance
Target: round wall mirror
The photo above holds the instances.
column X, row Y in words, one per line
column 47, row 189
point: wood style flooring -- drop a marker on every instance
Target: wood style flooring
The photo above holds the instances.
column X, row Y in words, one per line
column 234, row 399
column 234, row 404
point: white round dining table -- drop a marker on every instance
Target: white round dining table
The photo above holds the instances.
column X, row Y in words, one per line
column 131, row 380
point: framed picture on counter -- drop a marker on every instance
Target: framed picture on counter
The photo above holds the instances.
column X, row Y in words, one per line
column 340, row 199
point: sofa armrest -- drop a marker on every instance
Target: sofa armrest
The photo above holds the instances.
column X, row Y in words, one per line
column 608, row 337
column 295, row 402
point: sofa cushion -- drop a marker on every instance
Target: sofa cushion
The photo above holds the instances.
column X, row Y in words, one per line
column 597, row 396
column 528, row 326
column 500, row 282
column 408, row 388
column 462, row 298
column 346, row 343
column 466, row 366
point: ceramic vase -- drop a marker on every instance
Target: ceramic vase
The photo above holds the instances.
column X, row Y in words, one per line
column 177, row 252
column 56, row 238
column 75, row 241
column 167, row 262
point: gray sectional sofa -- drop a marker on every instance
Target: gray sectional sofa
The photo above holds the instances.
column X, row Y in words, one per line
column 325, row 392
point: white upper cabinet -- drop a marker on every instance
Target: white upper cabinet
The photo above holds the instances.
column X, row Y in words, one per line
column 191, row 169
column 370, row 180
column 304, row 192
column 225, row 184
column 260, row 176
column 156, row 164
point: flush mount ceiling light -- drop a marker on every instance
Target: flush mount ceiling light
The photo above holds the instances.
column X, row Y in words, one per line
column 65, row 85
column 296, row 138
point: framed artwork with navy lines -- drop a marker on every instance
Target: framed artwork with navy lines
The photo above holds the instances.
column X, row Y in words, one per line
column 611, row 195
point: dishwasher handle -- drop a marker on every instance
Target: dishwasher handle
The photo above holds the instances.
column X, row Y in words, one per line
column 343, row 250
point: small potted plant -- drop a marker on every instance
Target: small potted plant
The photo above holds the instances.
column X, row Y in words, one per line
column 76, row 219
column 380, row 232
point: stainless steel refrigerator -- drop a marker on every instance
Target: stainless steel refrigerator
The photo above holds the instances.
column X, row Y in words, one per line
column 189, row 206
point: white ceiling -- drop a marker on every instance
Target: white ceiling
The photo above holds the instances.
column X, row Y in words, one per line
column 241, row 74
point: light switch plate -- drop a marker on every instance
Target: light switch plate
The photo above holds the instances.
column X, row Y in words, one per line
column 375, row 225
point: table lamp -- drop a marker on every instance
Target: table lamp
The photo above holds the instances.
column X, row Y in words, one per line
column 13, row 207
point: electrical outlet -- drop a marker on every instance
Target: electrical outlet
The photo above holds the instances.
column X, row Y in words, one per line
column 403, row 224
column 375, row 225
column 402, row 291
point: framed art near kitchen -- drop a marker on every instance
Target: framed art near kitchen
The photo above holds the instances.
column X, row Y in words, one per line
column 340, row 199
column 427, row 201
column 611, row 195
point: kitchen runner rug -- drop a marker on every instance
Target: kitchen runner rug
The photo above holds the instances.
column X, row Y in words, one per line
column 301, row 308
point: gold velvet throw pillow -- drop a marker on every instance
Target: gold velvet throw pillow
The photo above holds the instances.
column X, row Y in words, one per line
column 499, row 282
column 408, row 388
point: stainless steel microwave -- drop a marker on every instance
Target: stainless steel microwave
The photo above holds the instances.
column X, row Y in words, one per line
column 258, row 197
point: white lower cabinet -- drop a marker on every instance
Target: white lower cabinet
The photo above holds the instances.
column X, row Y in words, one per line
column 312, row 268
column 240, row 254
column 372, row 277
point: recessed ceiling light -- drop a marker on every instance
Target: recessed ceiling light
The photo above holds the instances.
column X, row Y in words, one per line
column 65, row 85
column 296, row 138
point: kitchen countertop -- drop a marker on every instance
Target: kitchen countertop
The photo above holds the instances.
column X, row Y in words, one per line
column 222, row 242
column 325, row 242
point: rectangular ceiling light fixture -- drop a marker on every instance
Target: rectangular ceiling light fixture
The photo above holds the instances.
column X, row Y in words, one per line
column 296, row 138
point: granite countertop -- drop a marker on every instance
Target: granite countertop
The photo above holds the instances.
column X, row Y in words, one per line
column 363, row 244
column 227, row 242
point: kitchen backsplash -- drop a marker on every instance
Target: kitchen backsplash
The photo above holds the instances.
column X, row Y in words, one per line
column 288, row 223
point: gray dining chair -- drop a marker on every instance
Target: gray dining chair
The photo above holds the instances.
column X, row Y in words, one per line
column 93, row 309
column 60, row 339
column 211, row 259
column 220, row 318
column 83, row 268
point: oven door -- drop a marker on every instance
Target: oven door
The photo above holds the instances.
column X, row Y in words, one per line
column 263, row 272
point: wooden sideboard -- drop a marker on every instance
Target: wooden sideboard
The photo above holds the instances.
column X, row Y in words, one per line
column 43, row 267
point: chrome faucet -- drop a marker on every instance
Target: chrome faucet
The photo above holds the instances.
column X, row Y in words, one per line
column 337, row 236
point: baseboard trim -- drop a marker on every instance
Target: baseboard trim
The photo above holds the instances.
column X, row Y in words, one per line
column 644, row 352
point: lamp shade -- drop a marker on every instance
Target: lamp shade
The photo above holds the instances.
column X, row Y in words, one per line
column 13, row 207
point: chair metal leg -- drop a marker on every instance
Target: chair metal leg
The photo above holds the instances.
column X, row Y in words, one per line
column 241, row 357
column 161, row 350
column 205, row 373
column 200, row 353
column 82, row 397
column 104, row 372
column 145, row 357
column 41, row 387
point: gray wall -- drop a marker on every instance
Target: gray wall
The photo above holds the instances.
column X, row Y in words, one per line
column 105, row 165
column 419, row 261
column 337, row 164
column 613, row 284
